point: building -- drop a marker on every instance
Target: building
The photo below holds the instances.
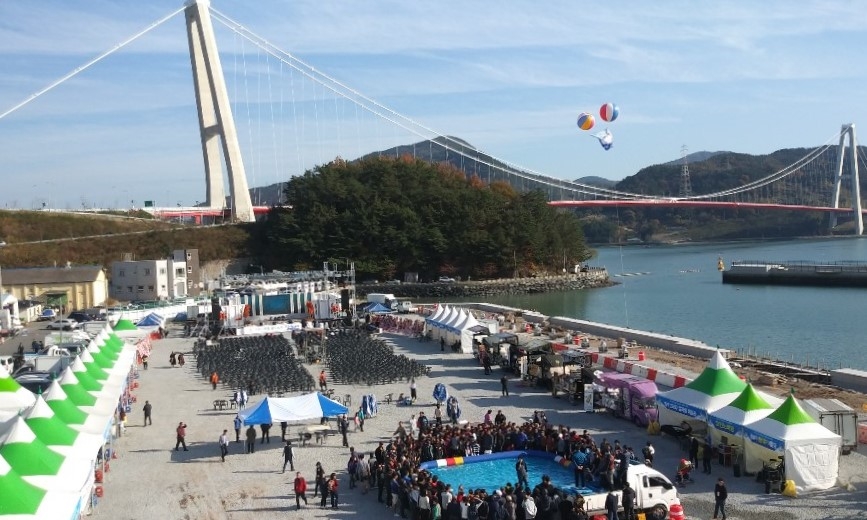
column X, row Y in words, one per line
column 66, row 288
column 151, row 280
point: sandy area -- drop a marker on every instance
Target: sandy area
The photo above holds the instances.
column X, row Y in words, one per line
column 151, row 480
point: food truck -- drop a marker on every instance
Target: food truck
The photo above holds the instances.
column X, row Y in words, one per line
column 627, row 396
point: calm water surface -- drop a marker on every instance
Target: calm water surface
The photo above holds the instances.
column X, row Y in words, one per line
column 680, row 292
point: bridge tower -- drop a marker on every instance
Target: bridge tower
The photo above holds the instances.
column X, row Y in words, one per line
column 685, row 184
column 216, row 125
column 848, row 130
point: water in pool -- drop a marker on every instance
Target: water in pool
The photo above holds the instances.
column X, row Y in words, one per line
column 494, row 474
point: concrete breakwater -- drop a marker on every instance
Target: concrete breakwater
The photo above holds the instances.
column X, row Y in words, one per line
column 594, row 277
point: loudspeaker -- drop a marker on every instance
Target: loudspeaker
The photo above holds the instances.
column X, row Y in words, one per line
column 215, row 309
column 344, row 299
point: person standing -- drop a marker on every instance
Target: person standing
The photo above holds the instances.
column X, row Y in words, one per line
column 693, row 451
column 504, row 383
column 147, row 413
column 181, row 436
column 442, row 344
column 289, row 457
column 648, row 451
column 251, row 439
column 224, row 445
column 320, row 478
column 214, row 379
column 611, row 506
column 720, row 494
column 181, row 360
column 332, row 490
column 343, row 426
column 283, row 427
column 144, row 362
column 237, row 424
column 300, row 489
column 628, row 501
column 266, row 433
column 323, row 383
column 413, row 390
column 706, row 458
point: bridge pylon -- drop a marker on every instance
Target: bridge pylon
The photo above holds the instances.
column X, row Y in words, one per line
column 848, row 130
column 216, row 124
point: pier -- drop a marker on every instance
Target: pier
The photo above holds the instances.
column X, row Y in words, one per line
column 822, row 274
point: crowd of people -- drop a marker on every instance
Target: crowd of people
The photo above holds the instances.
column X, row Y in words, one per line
column 392, row 470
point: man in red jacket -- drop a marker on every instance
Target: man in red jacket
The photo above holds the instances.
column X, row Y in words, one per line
column 300, row 490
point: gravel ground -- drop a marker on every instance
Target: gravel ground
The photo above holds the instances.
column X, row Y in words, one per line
column 151, row 480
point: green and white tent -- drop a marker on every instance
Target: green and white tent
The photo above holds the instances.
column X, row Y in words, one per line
column 71, row 414
column 19, row 496
column 747, row 408
column 62, row 438
column 715, row 387
column 13, row 397
column 811, row 452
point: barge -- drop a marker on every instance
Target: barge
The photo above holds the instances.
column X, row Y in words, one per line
column 821, row 274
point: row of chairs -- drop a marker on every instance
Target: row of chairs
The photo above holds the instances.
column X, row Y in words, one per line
column 354, row 359
column 259, row 364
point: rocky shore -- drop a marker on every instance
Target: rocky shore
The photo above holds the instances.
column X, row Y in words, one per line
column 595, row 277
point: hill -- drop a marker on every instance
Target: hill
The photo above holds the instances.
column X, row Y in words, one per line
column 600, row 182
column 36, row 238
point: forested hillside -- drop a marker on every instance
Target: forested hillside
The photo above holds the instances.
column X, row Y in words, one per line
column 406, row 215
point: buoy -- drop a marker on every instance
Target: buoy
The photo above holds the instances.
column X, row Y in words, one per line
column 97, row 476
column 98, row 491
column 641, row 355
column 676, row 512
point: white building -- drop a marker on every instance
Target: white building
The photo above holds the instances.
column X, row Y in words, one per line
column 149, row 280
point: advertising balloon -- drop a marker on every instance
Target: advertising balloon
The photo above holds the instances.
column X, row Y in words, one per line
column 609, row 112
column 586, row 121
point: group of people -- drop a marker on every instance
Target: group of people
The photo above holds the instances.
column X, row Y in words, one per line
column 177, row 359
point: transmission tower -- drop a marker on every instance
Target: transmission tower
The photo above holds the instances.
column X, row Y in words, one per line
column 685, row 185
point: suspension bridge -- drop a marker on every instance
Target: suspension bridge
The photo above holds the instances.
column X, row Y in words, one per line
column 314, row 118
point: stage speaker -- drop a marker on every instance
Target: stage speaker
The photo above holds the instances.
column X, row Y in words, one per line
column 344, row 299
column 215, row 309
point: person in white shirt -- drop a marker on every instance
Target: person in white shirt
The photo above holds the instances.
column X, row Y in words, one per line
column 446, row 496
column 224, row 445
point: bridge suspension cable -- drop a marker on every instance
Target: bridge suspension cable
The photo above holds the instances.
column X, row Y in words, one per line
column 92, row 62
column 409, row 124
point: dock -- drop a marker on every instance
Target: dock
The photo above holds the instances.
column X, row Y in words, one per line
column 821, row 274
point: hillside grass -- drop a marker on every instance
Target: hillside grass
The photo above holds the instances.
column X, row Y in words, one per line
column 76, row 241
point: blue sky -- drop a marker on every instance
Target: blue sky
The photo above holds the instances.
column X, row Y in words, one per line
column 509, row 77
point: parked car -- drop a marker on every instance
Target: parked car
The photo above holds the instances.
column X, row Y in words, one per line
column 446, row 279
column 80, row 317
column 393, row 282
column 47, row 315
column 66, row 324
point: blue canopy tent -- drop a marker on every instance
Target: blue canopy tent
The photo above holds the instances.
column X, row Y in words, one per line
column 151, row 320
column 300, row 408
column 378, row 308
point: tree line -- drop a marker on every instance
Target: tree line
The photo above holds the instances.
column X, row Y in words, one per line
column 396, row 215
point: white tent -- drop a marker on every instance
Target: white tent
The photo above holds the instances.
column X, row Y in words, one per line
column 811, row 452
column 300, row 408
column 452, row 327
column 467, row 334
column 714, row 388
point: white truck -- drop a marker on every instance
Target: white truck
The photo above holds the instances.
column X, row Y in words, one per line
column 654, row 493
column 385, row 299
column 837, row 417
column 404, row 307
